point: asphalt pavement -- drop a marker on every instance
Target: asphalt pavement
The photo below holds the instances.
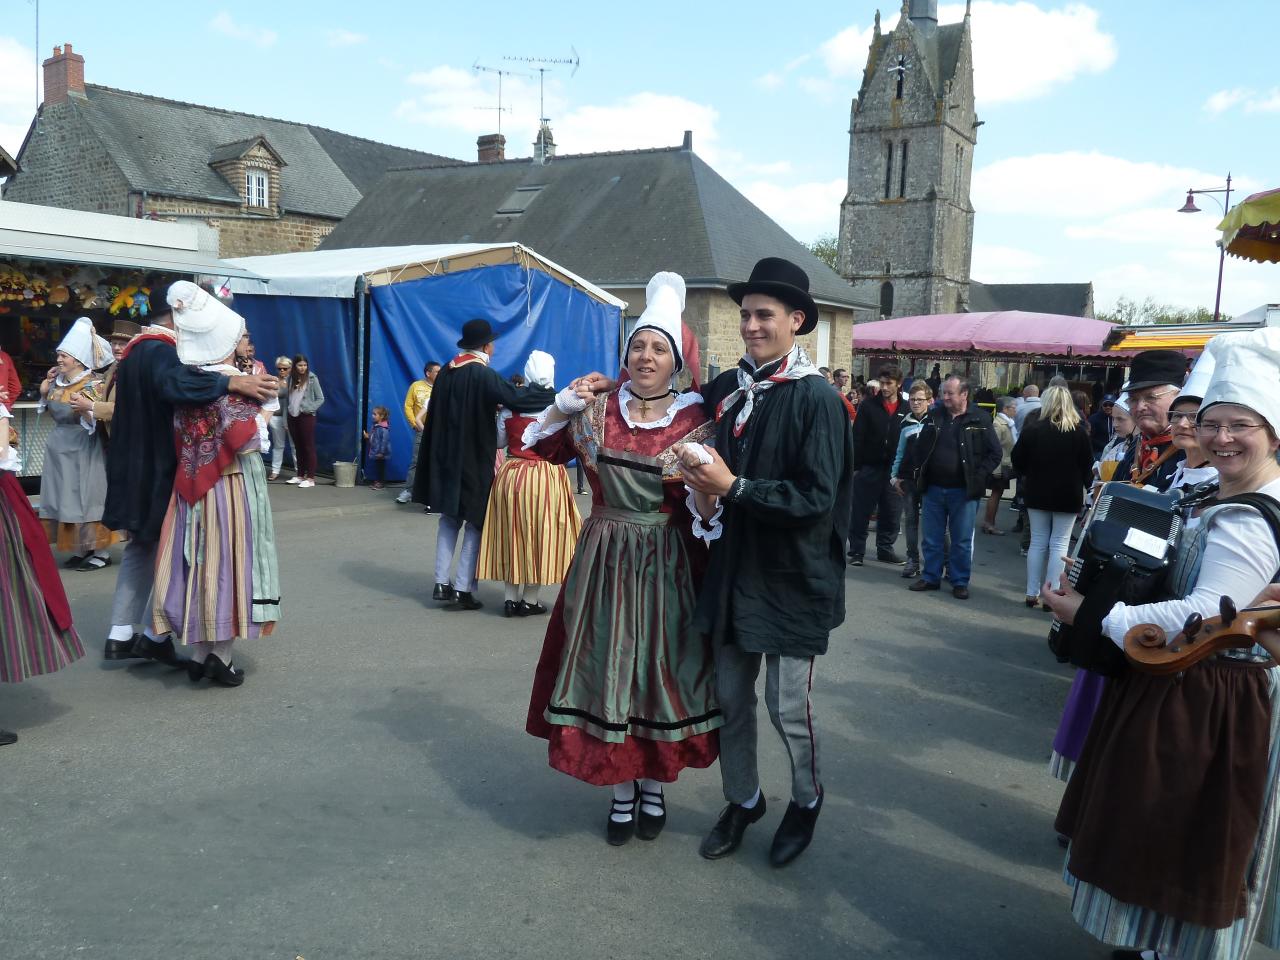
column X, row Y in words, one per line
column 370, row 791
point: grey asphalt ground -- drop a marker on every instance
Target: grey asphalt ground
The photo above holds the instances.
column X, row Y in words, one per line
column 370, row 791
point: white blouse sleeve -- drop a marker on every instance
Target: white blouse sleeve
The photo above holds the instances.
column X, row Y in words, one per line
column 712, row 528
column 539, row 429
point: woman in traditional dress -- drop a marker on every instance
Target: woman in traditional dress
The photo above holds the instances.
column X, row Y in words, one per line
column 1172, row 809
column 36, row 633
column 73, row 483
column 624, row 689
column 216, row 576
column 532, row 522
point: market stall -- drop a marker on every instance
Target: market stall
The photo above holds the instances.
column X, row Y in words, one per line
column 57, row 265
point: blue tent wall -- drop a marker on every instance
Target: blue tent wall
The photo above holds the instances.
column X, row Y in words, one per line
column 324, row 330
column 415, row 321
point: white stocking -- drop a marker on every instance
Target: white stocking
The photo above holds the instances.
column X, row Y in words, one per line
column 648, row 807
column 513, row 592
column 624, row 796
column 531, row 593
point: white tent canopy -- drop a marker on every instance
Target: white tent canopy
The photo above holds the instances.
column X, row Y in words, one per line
column 333, row 273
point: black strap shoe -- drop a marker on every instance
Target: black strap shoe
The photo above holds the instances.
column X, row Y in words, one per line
column 794, row 833
column 511, row 608
column 466, row 601
column 618, row 833
column 7, row 737
column 162, row 651
column 225, row 674
column 444, row 593
column 726, row 836
column 531, row 609
column 651, row 824
column 123, row 649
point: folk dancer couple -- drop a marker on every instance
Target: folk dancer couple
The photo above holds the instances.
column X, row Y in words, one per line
column 715, row 543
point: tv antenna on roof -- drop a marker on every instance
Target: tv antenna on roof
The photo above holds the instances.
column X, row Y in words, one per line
column 478, row 66
column 542, row 65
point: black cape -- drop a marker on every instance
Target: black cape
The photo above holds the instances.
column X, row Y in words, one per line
column 460, row 441
column 143, row 457
column 775, row 578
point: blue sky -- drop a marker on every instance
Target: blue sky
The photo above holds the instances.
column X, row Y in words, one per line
column 1098, row 115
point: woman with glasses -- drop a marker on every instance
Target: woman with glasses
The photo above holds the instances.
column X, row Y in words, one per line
column 1172, row 810
column 918, row 399
column 279, row 425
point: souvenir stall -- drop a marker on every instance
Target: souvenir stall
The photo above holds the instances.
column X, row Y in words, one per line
column 57, row 265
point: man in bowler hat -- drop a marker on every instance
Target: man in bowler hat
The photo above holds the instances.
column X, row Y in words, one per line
column 1154, row 379
column 455, row 464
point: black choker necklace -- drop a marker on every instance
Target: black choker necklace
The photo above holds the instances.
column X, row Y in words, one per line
column 644, row 401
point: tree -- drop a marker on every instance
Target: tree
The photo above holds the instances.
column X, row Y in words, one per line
column 1131, row 313
column 825, row 249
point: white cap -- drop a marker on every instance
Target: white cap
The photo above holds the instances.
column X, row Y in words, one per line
column 1247, row 372
column 83, row 343
column 663, row 304
column 540, row 368
column 1122, row 402
column 1200, row 375
column 207, row 329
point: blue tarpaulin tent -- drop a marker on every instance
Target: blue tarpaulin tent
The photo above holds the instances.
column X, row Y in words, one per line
column 368, row 320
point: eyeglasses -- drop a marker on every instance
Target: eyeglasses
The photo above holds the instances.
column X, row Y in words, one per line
column 1182, row 416
column 284, row 368
column 1147, row 399
column 1232, row 430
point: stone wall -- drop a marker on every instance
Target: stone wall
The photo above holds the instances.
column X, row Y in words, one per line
column 245, row 234
column 65, row 165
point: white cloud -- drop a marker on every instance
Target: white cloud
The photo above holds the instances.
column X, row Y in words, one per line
column 845, row 54
column 17, row 92
column 994, row 263
column 638, row 121
column 805, row 210
column 345, row 38
column 258, row 36
column 1253, row 101
column 453, row 98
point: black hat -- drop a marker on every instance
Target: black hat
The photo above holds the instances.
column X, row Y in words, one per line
column 475, row 334
column 784, row 280
column 1155, row 368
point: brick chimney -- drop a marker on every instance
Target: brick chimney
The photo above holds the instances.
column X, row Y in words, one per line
column 491, row 148
column 63, row 75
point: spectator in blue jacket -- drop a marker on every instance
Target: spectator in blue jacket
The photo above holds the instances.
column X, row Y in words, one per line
column 379, row 437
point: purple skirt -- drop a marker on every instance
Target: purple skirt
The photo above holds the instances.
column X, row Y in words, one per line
column 1077, row 714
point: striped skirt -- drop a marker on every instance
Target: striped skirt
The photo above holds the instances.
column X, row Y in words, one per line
column 530, row 526
column 30, row 642
column 216, row 572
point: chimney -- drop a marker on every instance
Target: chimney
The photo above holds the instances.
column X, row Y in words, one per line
column 687, row 146
column 491, row 148
column 63, row 75
column 544, row 148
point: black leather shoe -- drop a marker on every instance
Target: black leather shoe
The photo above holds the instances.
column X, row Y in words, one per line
column 225, row 674
column 794, row 833
column 162, row 652
column 7, row 737
column 466, row 601
column 122, row 649
column 195, row 671
column 531, row 609
column 960, row 593
column 512, row 608
column 855, row 561
column 619, row 833
column 651, row 824
column 888, row 556
column 921, row 585
column 444, row 593
column 726, row 836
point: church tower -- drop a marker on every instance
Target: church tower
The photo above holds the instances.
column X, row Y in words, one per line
column 906, row 223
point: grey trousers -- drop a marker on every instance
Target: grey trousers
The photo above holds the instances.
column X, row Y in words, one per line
column 413, row 462
column 279, row 429
column 131, row 605
column 788, row 681
column 464, row 578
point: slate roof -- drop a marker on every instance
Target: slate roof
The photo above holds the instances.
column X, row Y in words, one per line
column 8, row 165
column 939, row 52
column 1066, row 299
column 614, row 218
column 165, row 146
column 234, row 151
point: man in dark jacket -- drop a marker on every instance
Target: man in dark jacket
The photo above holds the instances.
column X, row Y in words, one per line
column 459, row 443
column 1100, row 428
column 1154, row 379
column 875, row 444
column 774, row 588
column 954, row 454
column 141, row 463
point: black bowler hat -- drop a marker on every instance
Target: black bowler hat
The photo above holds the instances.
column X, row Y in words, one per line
column 1155, row 368
column 475, row 334
column 784, row 280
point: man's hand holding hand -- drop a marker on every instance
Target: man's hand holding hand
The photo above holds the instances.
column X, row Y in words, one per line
column 714, row 479
column 256, row 386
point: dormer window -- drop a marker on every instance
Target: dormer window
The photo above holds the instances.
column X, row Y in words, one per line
column 257, row 192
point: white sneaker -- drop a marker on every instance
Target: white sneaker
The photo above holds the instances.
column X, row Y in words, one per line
column 294, row 480
column 306, row 483
column 404, row 497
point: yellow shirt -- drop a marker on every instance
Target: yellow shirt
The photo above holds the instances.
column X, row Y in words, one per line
column 417, row 397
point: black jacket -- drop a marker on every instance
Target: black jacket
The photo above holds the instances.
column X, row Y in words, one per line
column 775, row 577
column 143, row 457
column 1056, row 466
column 980, row 451
column 875, row 433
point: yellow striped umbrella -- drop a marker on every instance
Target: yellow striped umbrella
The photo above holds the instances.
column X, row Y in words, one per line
column 1251, row 229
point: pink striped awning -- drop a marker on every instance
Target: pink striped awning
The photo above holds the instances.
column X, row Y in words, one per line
column 1006, row 332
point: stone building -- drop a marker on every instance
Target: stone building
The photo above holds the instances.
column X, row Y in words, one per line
column 615, row 219
column 253, row 184
column 906, row 222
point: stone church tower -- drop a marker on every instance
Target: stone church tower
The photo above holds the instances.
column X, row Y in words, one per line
column 906, row 223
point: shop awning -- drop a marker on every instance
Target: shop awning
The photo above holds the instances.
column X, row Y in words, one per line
column 33, row 232
column 1251, row 229
column 1000, row 333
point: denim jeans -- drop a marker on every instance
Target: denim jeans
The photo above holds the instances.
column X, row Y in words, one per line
column 1050, row 541
column 943, row 510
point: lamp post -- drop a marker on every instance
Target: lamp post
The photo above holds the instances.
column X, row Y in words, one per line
column 1225, row 203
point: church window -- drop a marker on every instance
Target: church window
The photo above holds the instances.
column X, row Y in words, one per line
column 902, row 171
column 888, row 168
column 886, row 299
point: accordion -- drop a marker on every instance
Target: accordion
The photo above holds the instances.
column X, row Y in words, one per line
column 1123, row 555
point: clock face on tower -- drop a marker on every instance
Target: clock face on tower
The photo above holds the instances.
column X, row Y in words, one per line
column 899, row 68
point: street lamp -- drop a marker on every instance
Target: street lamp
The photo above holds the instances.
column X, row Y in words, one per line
column 1225, row 203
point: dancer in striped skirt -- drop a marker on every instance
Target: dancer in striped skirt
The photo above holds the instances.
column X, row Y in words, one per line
column 532, row 522
column 36, row 633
